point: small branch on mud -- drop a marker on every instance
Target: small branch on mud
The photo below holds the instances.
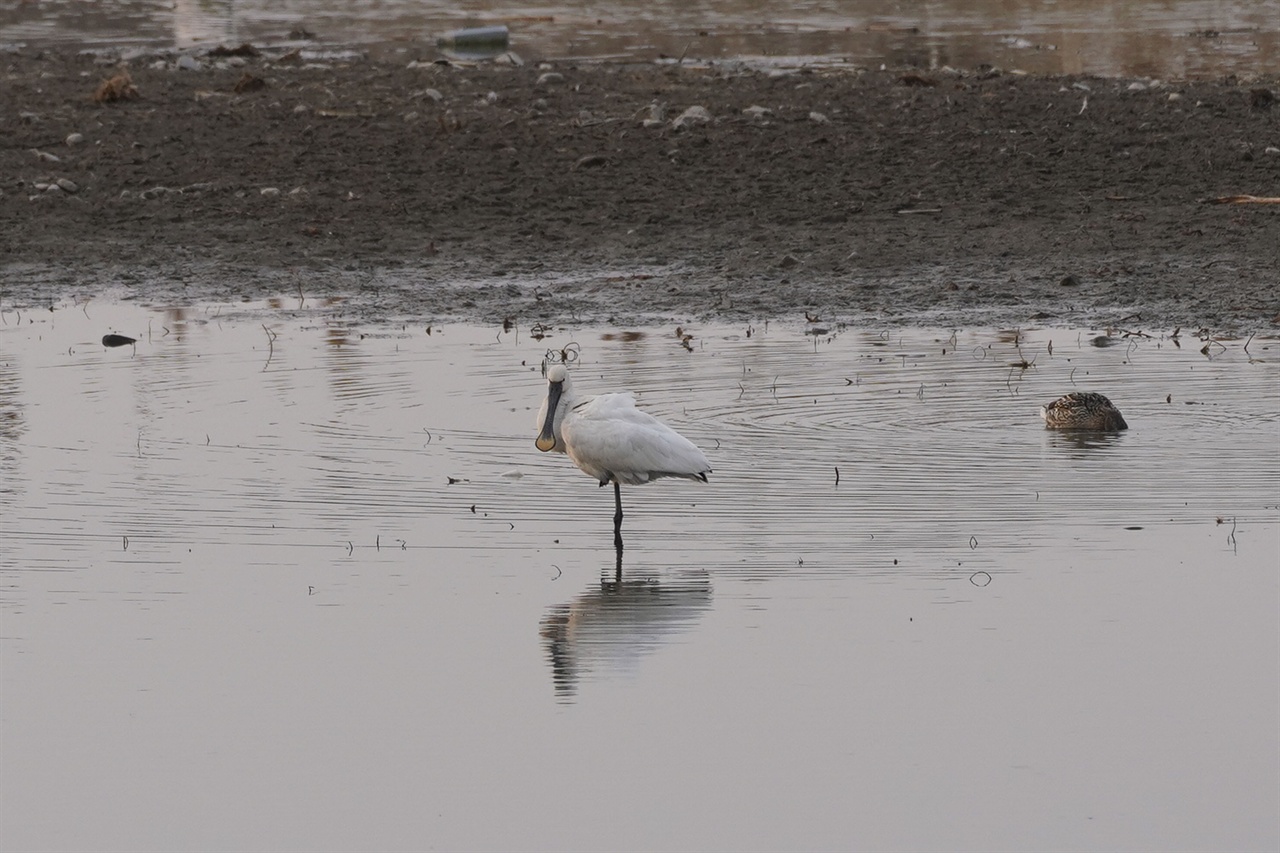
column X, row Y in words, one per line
column 1243, row 199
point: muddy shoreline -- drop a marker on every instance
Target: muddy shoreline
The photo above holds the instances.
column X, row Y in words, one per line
column 574, row 192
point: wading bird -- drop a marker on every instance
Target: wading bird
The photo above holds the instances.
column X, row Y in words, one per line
column 1083, row 410
column 613, row 441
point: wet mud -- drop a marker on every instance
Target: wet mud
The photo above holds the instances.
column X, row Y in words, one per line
column 576, row 191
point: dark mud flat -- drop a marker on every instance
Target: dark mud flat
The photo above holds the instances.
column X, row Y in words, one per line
column 495, row 191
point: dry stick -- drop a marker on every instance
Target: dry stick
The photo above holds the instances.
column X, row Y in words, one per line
column 271, row 346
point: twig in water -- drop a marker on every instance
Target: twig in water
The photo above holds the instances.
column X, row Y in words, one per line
column 837, row 475
column 271, row 346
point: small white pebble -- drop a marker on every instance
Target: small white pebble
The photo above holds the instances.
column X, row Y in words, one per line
column 819, row 118
column 269, row 192
column 74, row 138
column 67, row 185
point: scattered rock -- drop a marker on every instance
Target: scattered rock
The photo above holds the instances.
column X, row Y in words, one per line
column 1069, row 281
column 550, row 78
column 186, row 62
column 591, row 160
column 693, row 115
column 74, row 138
column 269, row 192
column 788, row 261
column 757, row 113
column 1261, row 99
column 66, row 185
column 45, row 156
column 819, row 118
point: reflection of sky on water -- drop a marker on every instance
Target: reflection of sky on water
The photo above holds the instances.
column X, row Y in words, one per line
column 1140, row 38
column 314, row 574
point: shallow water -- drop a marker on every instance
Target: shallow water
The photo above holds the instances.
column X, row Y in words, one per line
column 1191, row 38
column 269, row 580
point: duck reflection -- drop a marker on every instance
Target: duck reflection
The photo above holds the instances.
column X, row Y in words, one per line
column 610, row 628
column 1083, row 439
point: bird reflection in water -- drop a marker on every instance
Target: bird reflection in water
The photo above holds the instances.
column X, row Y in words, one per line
column 607, row 630
column 1084, row 439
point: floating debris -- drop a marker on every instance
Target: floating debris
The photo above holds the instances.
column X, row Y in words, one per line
column 114, row 340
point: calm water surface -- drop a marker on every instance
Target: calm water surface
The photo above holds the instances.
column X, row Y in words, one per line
column 273, row 581
column 1188, row 38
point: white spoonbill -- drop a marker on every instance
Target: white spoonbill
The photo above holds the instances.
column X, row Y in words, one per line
column 613, row 441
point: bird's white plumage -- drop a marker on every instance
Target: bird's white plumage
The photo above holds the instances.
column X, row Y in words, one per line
column 612, row 440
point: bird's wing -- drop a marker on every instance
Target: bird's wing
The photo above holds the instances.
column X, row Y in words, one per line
column 609, row 437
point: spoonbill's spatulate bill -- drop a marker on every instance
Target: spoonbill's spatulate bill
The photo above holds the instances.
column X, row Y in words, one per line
column 613, row 441
column 1083, row 410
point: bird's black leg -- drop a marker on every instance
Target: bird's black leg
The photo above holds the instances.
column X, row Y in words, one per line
column 617, row 516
